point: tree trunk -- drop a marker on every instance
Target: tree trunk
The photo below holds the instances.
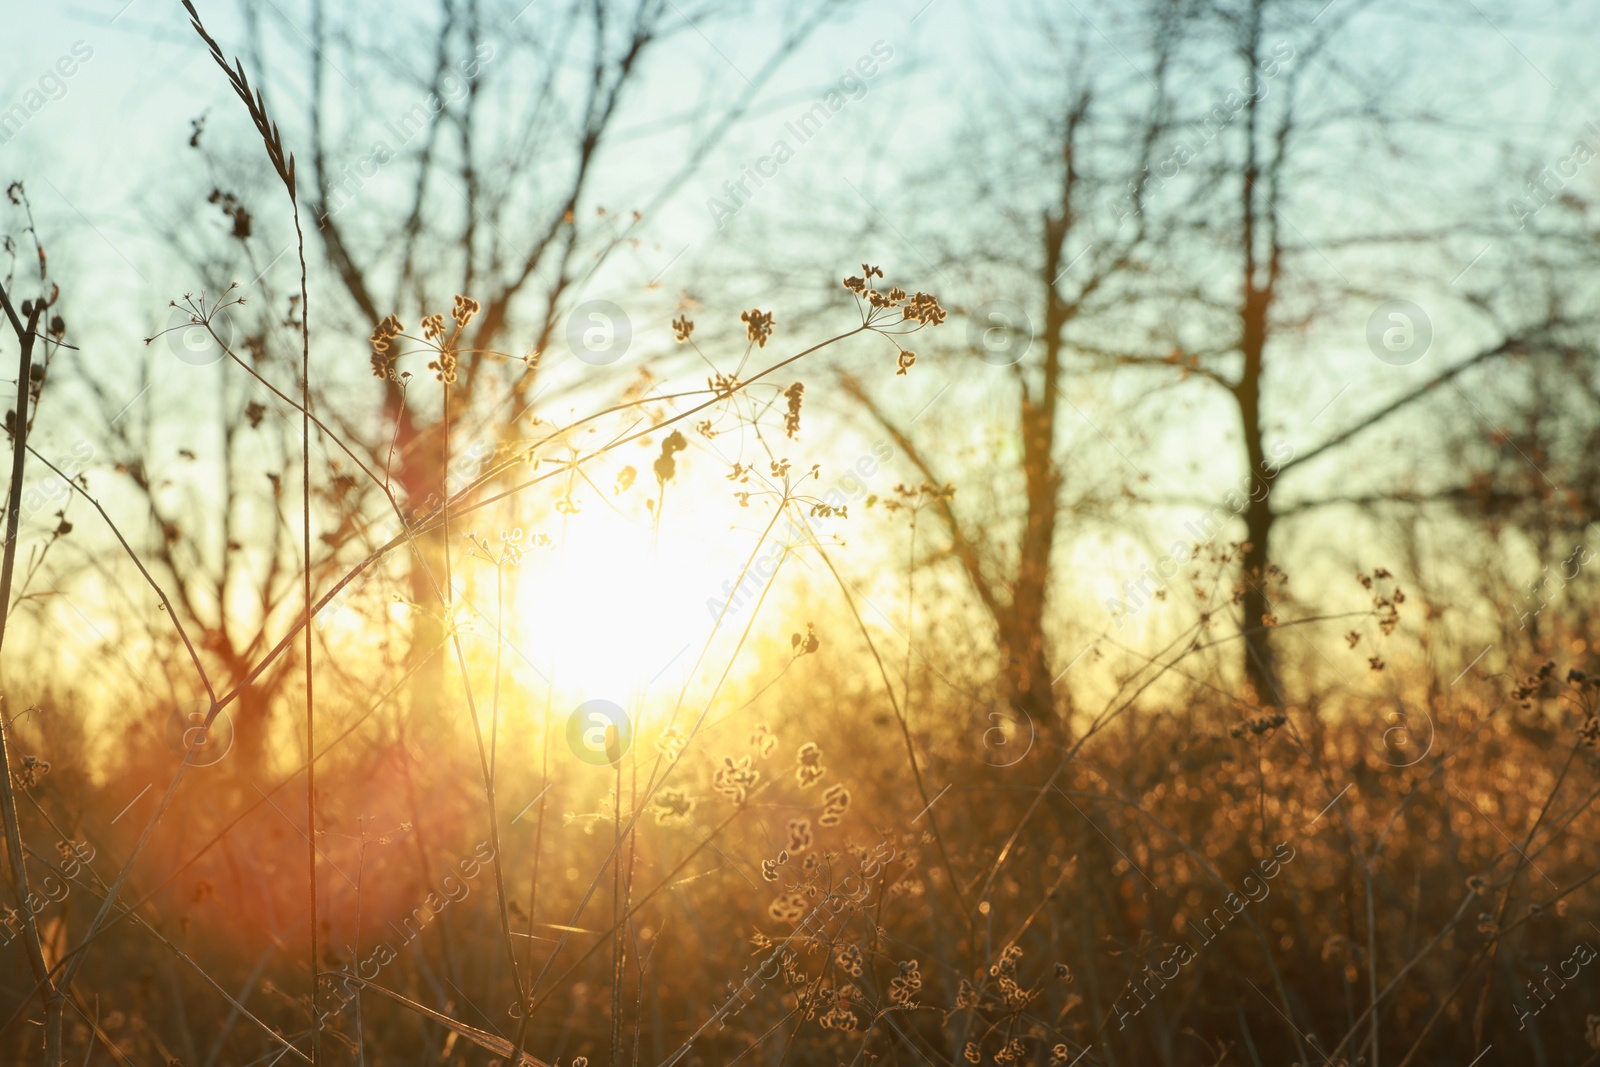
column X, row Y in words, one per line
column 1260, row 670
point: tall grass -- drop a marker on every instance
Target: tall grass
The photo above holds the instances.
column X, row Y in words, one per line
column 830, row 845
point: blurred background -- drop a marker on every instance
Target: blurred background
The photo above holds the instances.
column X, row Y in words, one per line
column 1233, row 504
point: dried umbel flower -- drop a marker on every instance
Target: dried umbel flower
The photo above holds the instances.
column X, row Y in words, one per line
column 904, row 986
column 1011, row 1052
column 672, row 805
column 1007, row 963
column 734, row 779
column 1534, row 683
column 810, row 770
column 386, row 330
column 33, row 771
column 848, row 958
column 791, row 419
column 799, row 835
column 789, row 908
column 444, row 367
column 670, row 743
column 804, row 646
column 916, row 310
column 924, row 308
column 666, row 465
column 433, row 327
column 382, row 336
column 465, row 307
column 835, row 802
column 682, row 327
column 838, row 1017
column 757, row 325
column 1589, row 732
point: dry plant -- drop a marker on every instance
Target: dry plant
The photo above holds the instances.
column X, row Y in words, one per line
column 863, row 849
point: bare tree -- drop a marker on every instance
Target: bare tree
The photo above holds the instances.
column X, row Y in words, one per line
column 484, row 184
column 1071, row 273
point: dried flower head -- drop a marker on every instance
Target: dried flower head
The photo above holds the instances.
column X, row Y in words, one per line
column 670, row 743
column 904, row 986
column 465, row 307
column 444, row 367
column 835, row 802
column 33, row 771
column 808, row 643
column 924, row 308
column 791, row 419
column 735, row 778
column 666, row 465
column 757, row 325
column 810, row 770
column 789, row 908
column 382, row 335
column 672, row 805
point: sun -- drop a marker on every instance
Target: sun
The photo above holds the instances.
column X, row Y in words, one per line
column 618, row 609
